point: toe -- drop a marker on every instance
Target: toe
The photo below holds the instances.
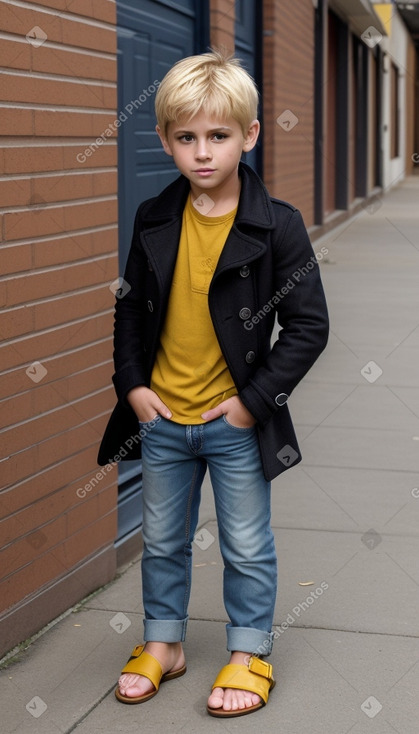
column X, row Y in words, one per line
column 235, row 699
column 133, row 686
column 231, row 699
column 216, row 698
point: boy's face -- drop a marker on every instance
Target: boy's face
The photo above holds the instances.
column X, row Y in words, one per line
column 208, row 150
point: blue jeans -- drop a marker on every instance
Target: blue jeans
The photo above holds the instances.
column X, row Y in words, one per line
column 175, row 458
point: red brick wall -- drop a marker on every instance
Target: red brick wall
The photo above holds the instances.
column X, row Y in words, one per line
column 288, row 61
column 58, row 222
column 222, row 18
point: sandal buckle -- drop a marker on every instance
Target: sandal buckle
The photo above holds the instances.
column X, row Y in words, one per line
column 260, row 667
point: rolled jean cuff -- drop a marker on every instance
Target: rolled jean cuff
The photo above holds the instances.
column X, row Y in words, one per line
column 248, row 639
column 165, row 630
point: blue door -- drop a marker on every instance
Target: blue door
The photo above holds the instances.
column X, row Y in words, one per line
column 248, row 47
column 152, row 36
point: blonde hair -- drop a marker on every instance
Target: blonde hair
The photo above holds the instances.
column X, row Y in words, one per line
column 214, row 82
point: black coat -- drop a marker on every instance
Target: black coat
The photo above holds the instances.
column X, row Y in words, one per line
column 267, row 267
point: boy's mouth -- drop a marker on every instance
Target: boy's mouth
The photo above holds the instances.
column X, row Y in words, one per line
column 204, row 171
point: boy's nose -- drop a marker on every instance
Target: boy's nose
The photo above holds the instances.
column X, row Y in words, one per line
column 202, row 151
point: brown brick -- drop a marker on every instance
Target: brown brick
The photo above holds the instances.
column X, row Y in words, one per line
column 87, row 540
column 51, row 424
column 58, row 29
column 34, row 286
column 222, row 20
column 25, row 581
column 50, row 395
column 32, row 158
column 16, row 121
column 91, row 303
column 58, row 561
column 54, row 157
column 289, row 56
column 81, row 185
column 73, row 470
column 50, row 452
column 75, row 247
column 15, row 54
column 74, row 64
column 57, row 123
column 99, row 9
column 103, row 155
column 79, row 34
column 16, row 258
column 43, row 220
column 15, row 322
column 102, row 503
column 53, row 391
column 43, row 524
column 66, row 93
column 22, row 551
column 20, row 21
column 68, row 372
column 53, row 428
column 63, row 338
column 15, row 192
column 23, row 320
column 33, row 222
column 105, row 183
column 91, row 214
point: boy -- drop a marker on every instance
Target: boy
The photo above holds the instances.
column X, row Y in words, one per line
column 213, row 259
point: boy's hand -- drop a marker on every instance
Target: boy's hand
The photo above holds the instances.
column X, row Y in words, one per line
column 147, row 404
column 235, row 412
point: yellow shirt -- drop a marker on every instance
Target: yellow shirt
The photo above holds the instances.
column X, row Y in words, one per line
column 190, row 373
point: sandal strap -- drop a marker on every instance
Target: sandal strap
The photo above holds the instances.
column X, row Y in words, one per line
column 256, row 677
column 142, row 663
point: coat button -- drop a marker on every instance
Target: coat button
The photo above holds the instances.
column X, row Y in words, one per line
column 245, row 313
column 245, row 271
column 250, row 357
column 150, row 306
column 281, row 399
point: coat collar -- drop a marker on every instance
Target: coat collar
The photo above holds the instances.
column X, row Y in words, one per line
column 246, row 242
column 254, row 209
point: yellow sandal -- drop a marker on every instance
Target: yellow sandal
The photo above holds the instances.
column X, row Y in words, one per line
column 142, row 663
column 256, row 677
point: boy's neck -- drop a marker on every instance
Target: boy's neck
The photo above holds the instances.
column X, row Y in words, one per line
column 225, row 197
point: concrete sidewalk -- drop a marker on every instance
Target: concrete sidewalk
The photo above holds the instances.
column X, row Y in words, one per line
column 346, row 520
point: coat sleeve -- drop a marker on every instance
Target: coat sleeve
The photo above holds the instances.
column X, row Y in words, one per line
column 300, row 304
column 128, row 354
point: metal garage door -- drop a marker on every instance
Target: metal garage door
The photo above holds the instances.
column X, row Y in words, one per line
column 248, row 47
column 152, row 35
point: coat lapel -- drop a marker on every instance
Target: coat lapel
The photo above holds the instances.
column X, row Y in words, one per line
column 246, row 241
column 162, row 227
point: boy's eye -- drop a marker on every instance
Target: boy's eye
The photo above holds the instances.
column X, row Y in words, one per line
column 188, row 137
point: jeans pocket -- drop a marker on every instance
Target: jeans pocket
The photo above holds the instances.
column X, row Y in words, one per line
column 244, row 429
column 147, row 426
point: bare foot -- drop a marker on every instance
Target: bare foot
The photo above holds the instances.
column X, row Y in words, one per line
column 231, row 699
column 170, row 656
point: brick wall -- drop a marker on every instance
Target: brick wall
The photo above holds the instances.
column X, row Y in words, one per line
column 288, row 61
column 222, row 18
column 58, row 221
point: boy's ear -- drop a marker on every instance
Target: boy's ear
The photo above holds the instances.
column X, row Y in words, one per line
column 165, row 144
column 252, row 136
